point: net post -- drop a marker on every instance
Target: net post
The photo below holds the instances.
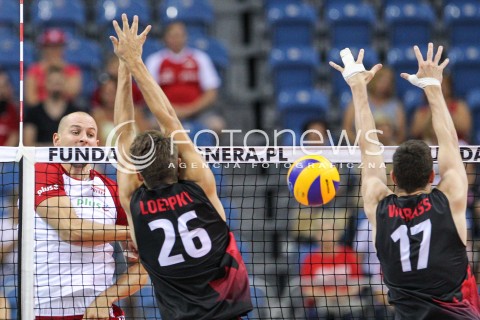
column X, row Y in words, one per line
column 27, row 224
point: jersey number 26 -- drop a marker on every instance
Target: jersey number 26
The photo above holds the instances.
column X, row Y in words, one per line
column 187, row 236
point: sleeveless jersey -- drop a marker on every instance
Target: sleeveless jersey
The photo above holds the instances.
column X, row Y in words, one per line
column 191, row 257
column 423, row 259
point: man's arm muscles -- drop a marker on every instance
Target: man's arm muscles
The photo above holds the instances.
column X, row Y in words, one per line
column 59, row 214
column 124, row 116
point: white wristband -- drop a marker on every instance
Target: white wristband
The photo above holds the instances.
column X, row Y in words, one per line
column 351, row 68
column 423, row 82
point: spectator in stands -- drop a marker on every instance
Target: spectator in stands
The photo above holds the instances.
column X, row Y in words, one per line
column 316, row 133
column 78, row 215
column 111, row 73
column 103, row 102
column 331, row 275
column 52, row 43
column 422, row 127
column 8, row 113
column 384, row 104
column 8, row 254
column 367, row 257
column 42, row 120
column 188, row 78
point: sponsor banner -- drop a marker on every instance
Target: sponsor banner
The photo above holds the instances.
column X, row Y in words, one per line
column 76, row 154
column 342, row 154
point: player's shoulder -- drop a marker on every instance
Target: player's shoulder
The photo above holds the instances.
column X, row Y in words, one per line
column 106, row 180
column 156, row 57
column 41, row 167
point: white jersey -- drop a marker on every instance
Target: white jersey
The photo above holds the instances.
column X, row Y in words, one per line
column 207, row 75
column 63, row 269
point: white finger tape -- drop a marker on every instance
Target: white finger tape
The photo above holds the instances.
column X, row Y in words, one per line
column 423, row 82
column 351, row 67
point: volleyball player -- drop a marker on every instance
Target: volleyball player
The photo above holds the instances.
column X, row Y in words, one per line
column 78, row 214
column 419, row 232
column 179, row 222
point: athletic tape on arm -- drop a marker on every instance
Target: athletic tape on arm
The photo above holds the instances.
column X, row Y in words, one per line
column 423, row 82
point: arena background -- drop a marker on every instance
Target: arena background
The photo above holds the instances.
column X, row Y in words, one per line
column 273, row 60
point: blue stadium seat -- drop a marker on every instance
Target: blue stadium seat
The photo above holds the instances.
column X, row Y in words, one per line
column 409, row 23
column 402, row 59
column 297, row 107
column 88, row 56
column 9, row 15
column 271, row 3
column 459, row 2
column 293, row 67
column 463, row 22
column 350, row 24
column 473, row 102
column 68, row 15
column 197, row 15
column 340, row 87
column 151, row 46
column 108, row 10
column 465, row 67
column 292, row 24
column 10, row 56
column 214, row 48
column 412, row 99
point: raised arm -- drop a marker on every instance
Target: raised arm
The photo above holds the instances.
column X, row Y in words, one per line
column 129, row 49
column 453, row 176
column 374, row 178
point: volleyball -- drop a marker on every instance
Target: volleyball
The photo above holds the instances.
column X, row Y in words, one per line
column 313, row 180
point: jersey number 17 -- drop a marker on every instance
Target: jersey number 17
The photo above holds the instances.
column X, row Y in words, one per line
column 401, row 233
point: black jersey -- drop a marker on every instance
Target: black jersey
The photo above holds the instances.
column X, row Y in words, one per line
column 423, row 259
column 190, row 254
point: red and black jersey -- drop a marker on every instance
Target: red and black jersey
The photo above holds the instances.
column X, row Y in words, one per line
column 190, row 254
column 424, row 261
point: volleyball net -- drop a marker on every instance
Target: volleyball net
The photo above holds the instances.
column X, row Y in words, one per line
column 303, row 262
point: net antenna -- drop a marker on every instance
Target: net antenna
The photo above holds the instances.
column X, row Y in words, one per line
column 25, row 156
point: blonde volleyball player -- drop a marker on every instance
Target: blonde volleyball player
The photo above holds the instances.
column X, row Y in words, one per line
column 419, row 232
column 78, row 214
column 183, row 240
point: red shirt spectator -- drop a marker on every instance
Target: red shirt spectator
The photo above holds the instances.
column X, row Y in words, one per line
column 186, row 75
column 8, row 114
column 8, row 124
column 52, row 43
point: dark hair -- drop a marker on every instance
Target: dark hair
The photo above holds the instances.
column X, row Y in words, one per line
column 164, row 167
column 54, row 69
column 313, row 122
column 412, row 165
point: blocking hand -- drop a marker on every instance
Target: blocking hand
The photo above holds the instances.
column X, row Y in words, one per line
column 430, row 71
column 354, row 71
column 128, row 45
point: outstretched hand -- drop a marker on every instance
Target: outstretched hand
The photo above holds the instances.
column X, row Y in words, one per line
column 430, row 70
column 365, row 76
column 128, row 46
